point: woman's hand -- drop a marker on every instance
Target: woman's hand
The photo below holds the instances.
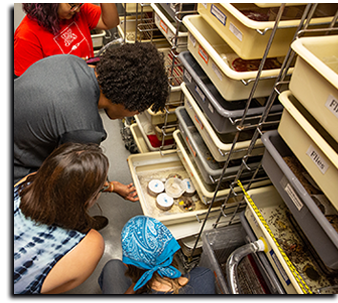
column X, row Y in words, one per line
column 127, row 192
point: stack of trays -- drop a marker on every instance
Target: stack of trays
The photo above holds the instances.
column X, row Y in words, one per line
column 239, row 25
column 267, row 214
column 218, row 60
column 166, row 24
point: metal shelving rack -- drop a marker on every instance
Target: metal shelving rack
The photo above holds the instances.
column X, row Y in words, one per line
column 281, row 80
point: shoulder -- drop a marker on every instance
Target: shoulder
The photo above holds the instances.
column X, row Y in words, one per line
column 76, row 266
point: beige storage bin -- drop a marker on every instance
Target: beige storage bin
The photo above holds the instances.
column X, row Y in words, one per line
column 317, row 156
column 139, row 140
column 241, row 33
column 148, row 166
column 146, row 130
column 158, row 39
column 159, row 117
column 97, row 37
column 315, row 79
column 215, row 58
column 168, row 29
column 205, row 193
column 274, row 214
column 218, row 149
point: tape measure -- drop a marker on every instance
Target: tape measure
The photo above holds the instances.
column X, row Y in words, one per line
column 295, row 273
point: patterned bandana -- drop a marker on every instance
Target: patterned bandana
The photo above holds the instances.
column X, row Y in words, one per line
column 148, row 244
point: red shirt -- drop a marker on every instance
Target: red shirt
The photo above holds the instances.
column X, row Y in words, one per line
column 32, row 42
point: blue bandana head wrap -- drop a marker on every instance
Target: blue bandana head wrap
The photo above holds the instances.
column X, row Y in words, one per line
column 148, row 244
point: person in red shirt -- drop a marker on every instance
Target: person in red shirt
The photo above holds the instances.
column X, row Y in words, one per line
column 59, row 28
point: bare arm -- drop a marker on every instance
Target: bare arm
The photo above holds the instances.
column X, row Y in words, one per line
column 109, row 16
column 76, row 266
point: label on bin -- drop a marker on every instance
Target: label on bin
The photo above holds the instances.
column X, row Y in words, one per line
column 218, row 14
column 217, row 71
column 236, row 32
column 164, row 26
column 293, row 196
column 317, row 159
column 203, row 54
column 332, row 105
column 187, row 76
column 280, row 267
column 199, row 92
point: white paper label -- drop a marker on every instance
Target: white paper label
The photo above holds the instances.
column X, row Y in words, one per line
column 332, row 105
column 236, row 32
column 293, row 196
column 211, row 108
column 187, row 75
column 199, row 92
column 192, row 39
column 205, row 5
column 317, row 159
column 217, row 71
column 218, row 14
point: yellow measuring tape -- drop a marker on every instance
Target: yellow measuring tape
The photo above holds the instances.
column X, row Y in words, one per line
column 295, row 273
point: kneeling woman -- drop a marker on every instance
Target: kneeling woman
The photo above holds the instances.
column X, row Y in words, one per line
column 55, row 248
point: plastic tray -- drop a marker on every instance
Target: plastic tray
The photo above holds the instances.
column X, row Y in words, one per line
column 223, row 115
column 217, row 246
column 97, row 38
column 213, row 54
column 173, row 8
column 167, row 26
column 315, row 79
column 218, row 149
column 210, row 169
column 275, row 215
column 205, row 192
column 148, row 166
column 138, row 137
column 241, row 33
column 159, row 117
column 322, row 235
column 317, row 156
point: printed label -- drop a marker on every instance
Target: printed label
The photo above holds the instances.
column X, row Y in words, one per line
column 332, row 105
column 236, row 32
column 218, row 73
column 205, row 5
column 192, row 39
column 218, row 14
column 280, row 268
column 211, row 108
column 187, row 76
column 317, row 159
column 203, row 54
column 198, row 121
column 190, row 146
column 164, row 26
column 199, row 92
column 293, row 196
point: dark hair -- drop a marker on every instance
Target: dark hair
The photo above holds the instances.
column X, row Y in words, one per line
column 134, row 75
column 67, row 181
column 45, row 14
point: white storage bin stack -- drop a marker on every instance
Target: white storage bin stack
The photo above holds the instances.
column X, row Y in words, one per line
column 301, row 159
column 159, row 135
column 220, row 37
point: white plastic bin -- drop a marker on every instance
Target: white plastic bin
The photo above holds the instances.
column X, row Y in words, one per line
column 219, row 150
column 241, row 32
column 213, row 54
column 315, row 79
column 317, row 156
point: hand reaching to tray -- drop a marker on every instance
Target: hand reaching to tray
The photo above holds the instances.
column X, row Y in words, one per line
column 127, row 192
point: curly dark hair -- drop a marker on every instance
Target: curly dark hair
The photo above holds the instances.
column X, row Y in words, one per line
column 134, row 75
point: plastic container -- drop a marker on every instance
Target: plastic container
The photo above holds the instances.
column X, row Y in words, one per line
column 213, row 54
column 315, row 79
column 315, row 150
column 205, row 191
column 173, row 8
column 159, row 117
column 288, row 254
column 147, row 166
column 97, row 38
column 138, row 138
column 242, row 33
column 217, row 246
column 223, row 115
column 219, row 149
column 210, row 169
column 168, row 28
column 319, row 231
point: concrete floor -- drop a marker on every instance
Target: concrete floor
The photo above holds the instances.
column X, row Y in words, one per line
column 116, row 209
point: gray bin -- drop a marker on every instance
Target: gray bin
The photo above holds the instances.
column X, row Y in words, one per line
column 210, row 169
column 173, row 8
column 317, row 229
column 219, row 111
column 217, row 246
